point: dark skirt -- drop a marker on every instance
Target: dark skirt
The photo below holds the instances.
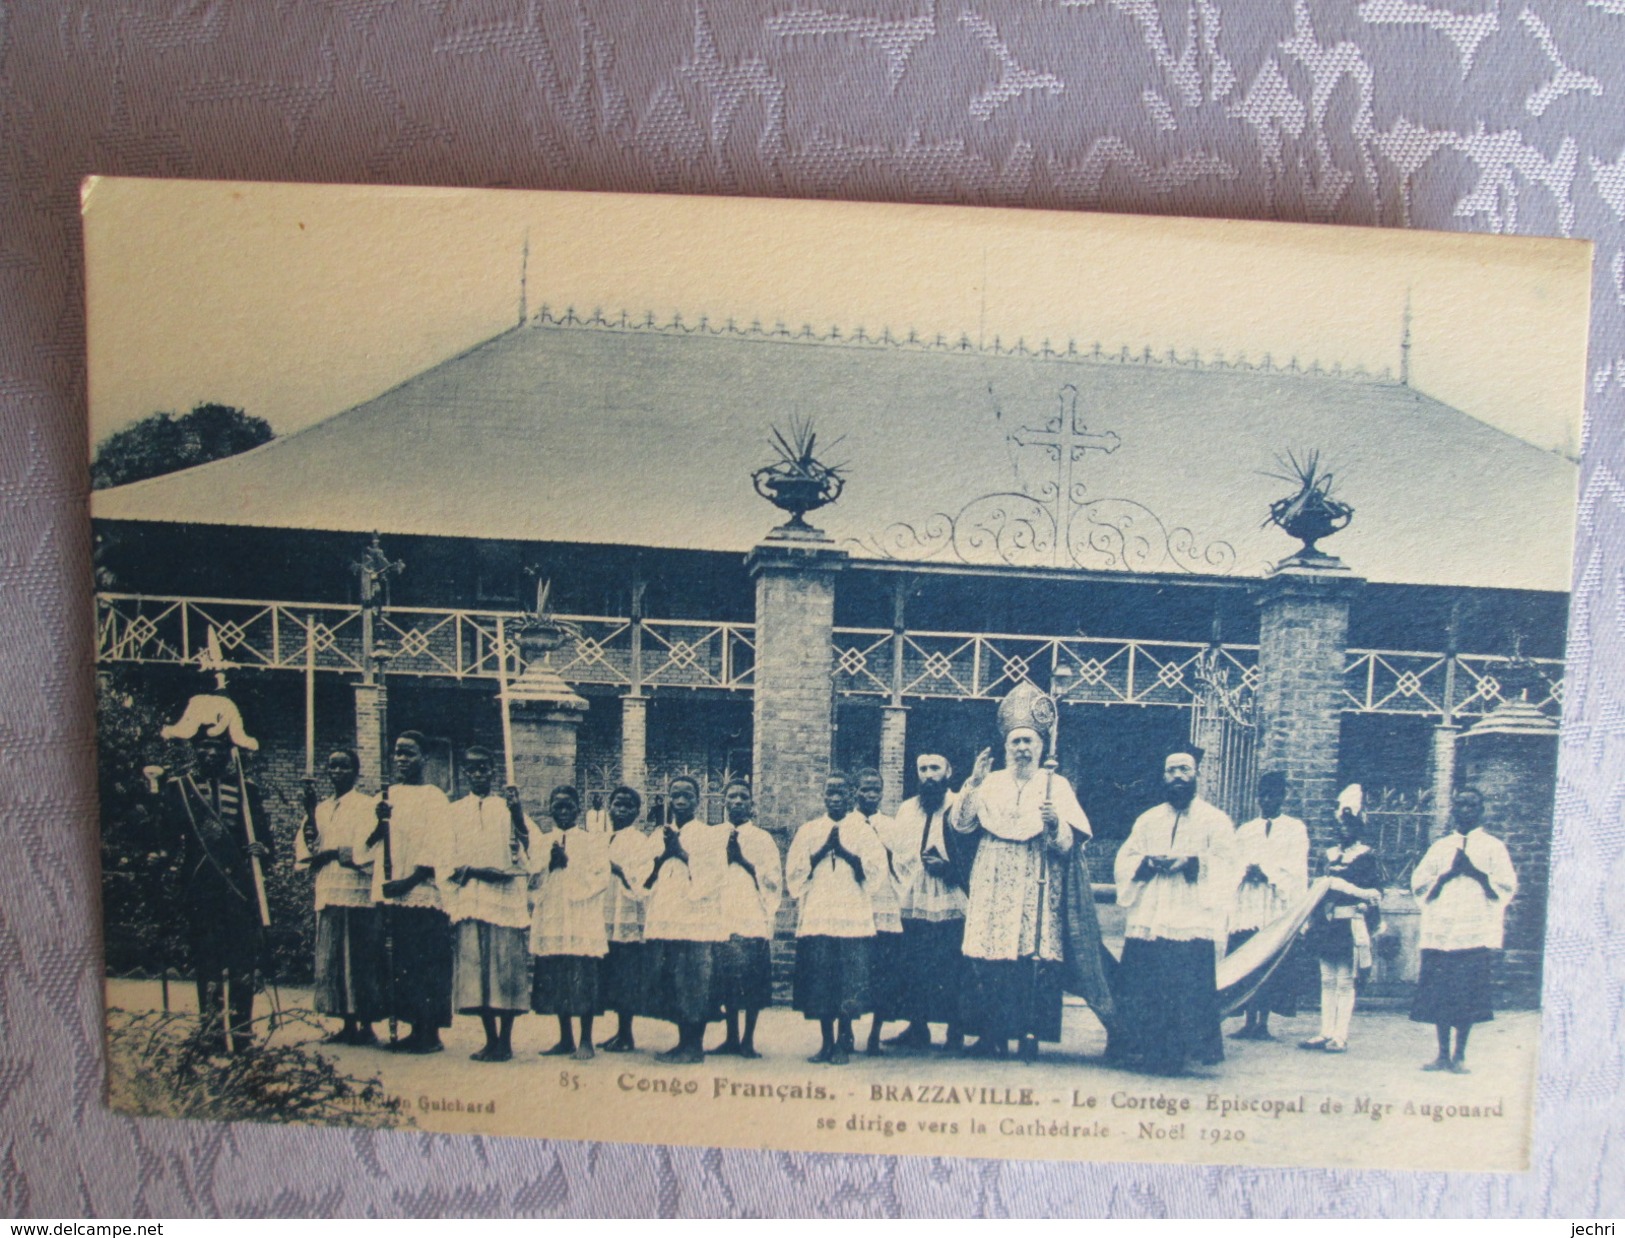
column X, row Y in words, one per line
column 680, row 982
column 933, row 970
column 1454, row 988
column 888, row 975
column 1288, row 983
column 1167, row 1005
column 621, row 977
column 1005, row 999
column 490, row 972
column 744, row 973
column 566, row 984
column 223, row 934
column 832, row 977
column 421, row 976
column 350, row 963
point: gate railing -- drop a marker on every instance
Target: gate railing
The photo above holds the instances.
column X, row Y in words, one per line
column 1398, row 825
column 442, row 642
column 616, row 651
column 1393, row 681
column 986, row 666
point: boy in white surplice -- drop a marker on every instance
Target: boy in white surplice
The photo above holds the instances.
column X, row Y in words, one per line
column 751, row 893
column 570, row 872
column 487, row 902
column 349, row 931
column 1272, row 852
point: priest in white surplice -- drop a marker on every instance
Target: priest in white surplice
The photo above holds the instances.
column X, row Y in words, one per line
column 1176, row 876
column 1272, row 857
column 932, row 902
column 1029, row 822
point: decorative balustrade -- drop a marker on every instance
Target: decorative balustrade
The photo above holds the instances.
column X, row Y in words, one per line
column 1390, row 681
column 422, row 641
column 692, row 653
column 982, row 666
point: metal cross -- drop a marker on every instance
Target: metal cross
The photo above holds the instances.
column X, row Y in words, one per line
column 375, row 570
column 1064, row 439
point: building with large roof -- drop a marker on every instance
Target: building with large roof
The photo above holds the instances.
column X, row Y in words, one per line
column 1008, row 510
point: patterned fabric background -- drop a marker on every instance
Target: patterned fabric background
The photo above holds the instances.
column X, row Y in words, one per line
column 1482, row 115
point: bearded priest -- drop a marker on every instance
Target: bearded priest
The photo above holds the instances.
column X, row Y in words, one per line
column 1176, row 877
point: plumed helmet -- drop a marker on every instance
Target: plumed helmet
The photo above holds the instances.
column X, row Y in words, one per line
column 1027, row 707
column 215, row 716
column 1351, row 798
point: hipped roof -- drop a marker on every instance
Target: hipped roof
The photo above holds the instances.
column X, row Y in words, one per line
column 601, row 433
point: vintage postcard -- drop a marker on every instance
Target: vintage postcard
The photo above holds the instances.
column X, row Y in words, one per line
column 824, row 676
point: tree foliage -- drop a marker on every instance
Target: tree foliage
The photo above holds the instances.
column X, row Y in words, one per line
column 164, row 443
column 142, row 919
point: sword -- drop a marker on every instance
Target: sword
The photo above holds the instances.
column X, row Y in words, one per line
column 259, row 892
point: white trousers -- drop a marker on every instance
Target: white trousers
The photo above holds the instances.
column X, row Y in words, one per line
column 1336, row 999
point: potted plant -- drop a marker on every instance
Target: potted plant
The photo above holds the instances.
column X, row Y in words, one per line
column 1312, row 513
column 798, row 482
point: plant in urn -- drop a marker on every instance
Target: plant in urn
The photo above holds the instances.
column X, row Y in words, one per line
column 798, row 482
column 1310, row 514
column 538, row 635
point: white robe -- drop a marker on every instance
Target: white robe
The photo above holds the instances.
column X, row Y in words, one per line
column 633, row 851
column 833, row 902
column 481, row 836
column 568, row 917
column 1463, row 916
column 909, row 837
column 1282, row 852
column 886, row 896
column 345, row 821
column 749, row 906
column 419, row 837
column 685, row 903
column 1170, row 908
column 1013, row 863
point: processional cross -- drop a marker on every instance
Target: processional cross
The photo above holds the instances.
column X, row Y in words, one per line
column 1065, row 439
column 375, row 570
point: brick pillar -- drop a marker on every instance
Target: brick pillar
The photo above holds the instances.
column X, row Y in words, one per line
column 794, row 689
column 545, row 714
column 544, row 750
column 893, row 755
column 1302, row 643
column 371, row 731
column 1510, row 755
column 635, row 740
column 1443, row 767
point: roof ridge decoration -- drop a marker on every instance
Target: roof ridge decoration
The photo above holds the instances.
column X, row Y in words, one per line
column 1054, row 523
column 860, row 337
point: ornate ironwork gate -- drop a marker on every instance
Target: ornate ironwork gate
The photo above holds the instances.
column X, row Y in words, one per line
column 1224, row 725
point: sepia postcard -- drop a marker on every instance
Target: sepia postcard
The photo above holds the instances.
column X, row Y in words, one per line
column 823, row 676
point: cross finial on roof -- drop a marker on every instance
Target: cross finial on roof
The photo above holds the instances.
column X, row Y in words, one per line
column 1405, row 344
column 524, row 273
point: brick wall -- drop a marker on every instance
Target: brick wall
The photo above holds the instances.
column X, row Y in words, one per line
column 1303, row 633
column 794, row 697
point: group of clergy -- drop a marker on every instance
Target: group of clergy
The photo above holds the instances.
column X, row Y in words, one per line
column 972, row 909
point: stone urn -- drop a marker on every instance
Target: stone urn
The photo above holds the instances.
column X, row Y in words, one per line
column 798, row 482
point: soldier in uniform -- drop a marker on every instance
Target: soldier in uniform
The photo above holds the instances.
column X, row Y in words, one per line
column 213, row 820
